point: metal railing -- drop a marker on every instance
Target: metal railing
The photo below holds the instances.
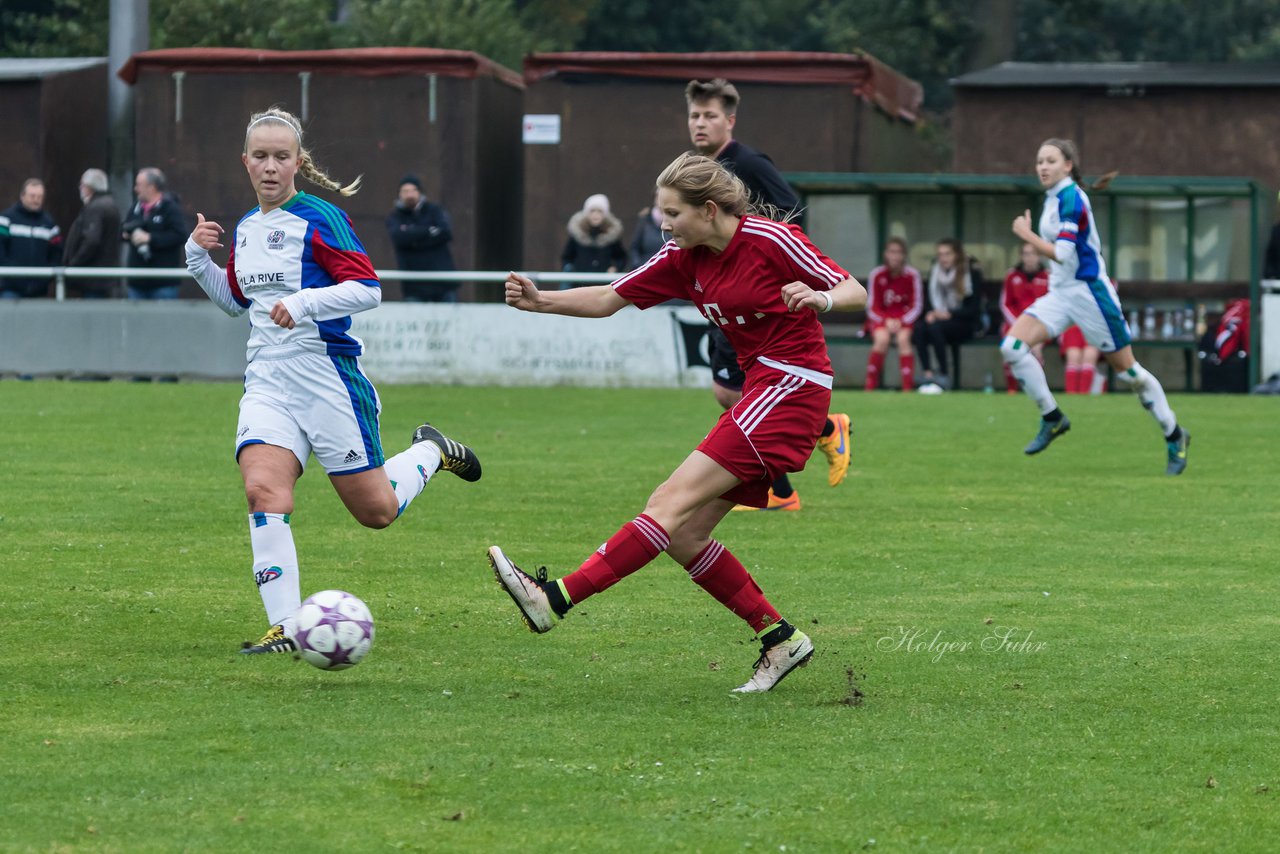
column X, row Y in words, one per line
column 60, row 275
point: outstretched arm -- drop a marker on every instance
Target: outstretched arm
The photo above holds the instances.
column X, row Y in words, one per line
column 595, row 301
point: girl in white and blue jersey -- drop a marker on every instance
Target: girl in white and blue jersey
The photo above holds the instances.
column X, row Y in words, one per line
column 298, row 270
column 1079, row 293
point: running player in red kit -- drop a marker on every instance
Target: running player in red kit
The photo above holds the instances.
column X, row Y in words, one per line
column 895, row 298
column 763, row 283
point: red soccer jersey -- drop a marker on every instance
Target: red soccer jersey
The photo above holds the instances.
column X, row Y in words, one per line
column 900, row 296
column 740, row 290
column 1020, row 291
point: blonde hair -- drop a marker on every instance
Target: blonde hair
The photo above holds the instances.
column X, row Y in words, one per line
column 306, row 165
column 698, row 180
column 1068, row 149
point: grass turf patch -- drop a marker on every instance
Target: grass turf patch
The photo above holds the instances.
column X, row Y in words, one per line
column 1013, row 653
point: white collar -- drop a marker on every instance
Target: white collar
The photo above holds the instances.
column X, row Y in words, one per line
column 1059, row 187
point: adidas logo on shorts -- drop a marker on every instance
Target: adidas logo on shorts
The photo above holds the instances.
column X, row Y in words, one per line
column 352, row 457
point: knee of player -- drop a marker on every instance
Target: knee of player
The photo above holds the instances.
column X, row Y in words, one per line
column 375, row 517
column 1013, row 349
column 266, row 497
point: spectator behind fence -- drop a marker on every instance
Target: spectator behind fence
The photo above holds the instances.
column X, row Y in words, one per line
column 156, row 231
column 595, row 239
column 951, row 312
column 648, row 237
column 421, row 232
column 28, row 238
column 92, row 242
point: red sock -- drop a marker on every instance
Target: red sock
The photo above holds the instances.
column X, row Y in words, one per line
column 636, row 543
column 1084, row 384
column 875, row 364
column 1072, row 384
column 724, row 577
column 907, row 364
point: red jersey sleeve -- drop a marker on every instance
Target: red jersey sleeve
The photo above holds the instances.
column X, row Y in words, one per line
column 232, row 281
column 659, row 279
column 874, row 296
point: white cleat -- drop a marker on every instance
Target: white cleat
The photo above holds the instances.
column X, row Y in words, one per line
column 777, row 661
column 525, row 590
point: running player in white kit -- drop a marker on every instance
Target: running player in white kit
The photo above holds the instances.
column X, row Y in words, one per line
column 299, row 271
column 1079, row 293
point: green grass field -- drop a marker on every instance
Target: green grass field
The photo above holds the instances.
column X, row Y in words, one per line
column 1132, row 708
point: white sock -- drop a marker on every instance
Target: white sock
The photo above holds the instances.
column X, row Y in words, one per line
column 1029, row 372
column 410, row 470
column 275, row 567
column 1151, row 393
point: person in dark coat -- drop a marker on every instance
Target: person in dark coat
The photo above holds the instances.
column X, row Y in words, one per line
column 595, row 239
column 28, row 238
column 155, row 232
column 648, row 237
column 421, row 232
column 92, row 240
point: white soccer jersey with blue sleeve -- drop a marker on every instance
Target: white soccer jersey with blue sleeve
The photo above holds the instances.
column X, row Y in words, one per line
column 1067, row 222
column 285, row 253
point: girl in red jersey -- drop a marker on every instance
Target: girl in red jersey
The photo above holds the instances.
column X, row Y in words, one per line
column 1023, row 285
column 763, row 283
column 895, row 298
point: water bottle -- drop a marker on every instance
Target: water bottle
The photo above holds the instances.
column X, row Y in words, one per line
column 1166, row 328
column 987, row 387
column 1188, row 324
column 1134, row 328
column 1149, row 322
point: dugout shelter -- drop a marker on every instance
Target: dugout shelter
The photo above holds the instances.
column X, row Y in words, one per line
column 1182, row 245
column 451, row 117
column 603, row 122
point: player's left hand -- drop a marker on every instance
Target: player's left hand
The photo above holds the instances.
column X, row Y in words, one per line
column 798, row 295
column 280, row 316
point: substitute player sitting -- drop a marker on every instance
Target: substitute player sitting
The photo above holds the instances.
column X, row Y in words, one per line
column 763, row 283
column 298, row 270
column 895, row 298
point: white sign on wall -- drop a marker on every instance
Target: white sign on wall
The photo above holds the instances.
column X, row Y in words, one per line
column 541, row 129
column 497, row 345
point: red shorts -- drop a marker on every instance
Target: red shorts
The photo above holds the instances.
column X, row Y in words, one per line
column 770, row 432
column 872, row 326
column 1073, row 338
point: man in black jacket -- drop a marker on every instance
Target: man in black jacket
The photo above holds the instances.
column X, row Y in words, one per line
column 420, row 232
column 28, row 238
column 92, row 242
column 156, row 231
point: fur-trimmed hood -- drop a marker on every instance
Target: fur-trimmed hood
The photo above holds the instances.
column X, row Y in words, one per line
column 610, row 230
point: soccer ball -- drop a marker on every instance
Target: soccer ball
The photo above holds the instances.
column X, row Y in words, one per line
column 333, row 630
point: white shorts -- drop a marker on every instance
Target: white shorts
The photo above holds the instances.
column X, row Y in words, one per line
column 312, row 403
column 1093, row 306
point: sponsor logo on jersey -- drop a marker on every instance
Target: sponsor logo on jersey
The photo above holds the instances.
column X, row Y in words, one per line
column 259, row 281
column 271, row 573
column 275, row 240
